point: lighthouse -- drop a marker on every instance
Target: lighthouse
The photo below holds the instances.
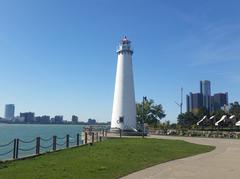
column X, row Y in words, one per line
column 124, row 106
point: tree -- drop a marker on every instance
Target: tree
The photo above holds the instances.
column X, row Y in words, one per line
column 235, row 109
column 152, row 113
column 202, row 112
column 173, row 126
column 219, row 113
column 187, row 119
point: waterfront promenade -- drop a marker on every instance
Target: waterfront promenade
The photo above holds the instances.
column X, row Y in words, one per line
column 221, row 163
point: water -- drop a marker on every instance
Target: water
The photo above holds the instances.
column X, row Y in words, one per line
column 28, row 132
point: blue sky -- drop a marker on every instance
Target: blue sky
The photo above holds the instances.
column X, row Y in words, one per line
column 58, row 56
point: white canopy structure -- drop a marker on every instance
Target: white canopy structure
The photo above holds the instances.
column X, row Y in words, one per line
column 223, row 118
column 212, row 117
column 232, row 117
column 237, row 123
column 198, row 123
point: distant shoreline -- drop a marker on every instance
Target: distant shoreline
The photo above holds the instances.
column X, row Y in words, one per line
column 97, row 124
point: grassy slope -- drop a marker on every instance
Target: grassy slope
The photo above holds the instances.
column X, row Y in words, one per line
column 109, row 159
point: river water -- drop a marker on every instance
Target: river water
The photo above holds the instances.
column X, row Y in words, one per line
column 29, row 132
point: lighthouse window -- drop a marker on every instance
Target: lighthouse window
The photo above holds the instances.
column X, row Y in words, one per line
column 121, row 119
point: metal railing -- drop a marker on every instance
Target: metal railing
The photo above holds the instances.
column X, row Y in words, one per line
column 40, row 145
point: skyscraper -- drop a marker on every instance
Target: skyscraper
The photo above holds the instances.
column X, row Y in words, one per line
column 188, row 103
column 219, row 100
column 124, row 105
column 205, row 90
column 9, row 111
column 194, row 102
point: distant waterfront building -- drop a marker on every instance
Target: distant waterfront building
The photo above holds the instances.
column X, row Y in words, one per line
column 42, row 119
column 92, row 121
column 74, row 119
column 194, row 102
column 28, row 117
column 219, row 100
column 57, row 119
column 9, row 111
column 38, row 119
column 45, row 119
column 19, row 119
column 205, row 90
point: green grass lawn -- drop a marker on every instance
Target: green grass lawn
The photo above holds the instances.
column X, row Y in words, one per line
column 111, row 158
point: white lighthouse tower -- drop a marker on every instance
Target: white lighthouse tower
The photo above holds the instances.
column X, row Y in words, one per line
column 124, row 106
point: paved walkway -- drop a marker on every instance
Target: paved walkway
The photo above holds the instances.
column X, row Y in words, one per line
column 221, row 163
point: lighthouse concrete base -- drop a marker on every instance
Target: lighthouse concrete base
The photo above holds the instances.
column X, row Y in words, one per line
column 127, row 132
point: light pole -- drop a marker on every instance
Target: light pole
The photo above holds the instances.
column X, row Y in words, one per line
column 144, row 99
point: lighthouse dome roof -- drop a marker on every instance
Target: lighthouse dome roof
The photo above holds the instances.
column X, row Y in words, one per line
column 125, row 40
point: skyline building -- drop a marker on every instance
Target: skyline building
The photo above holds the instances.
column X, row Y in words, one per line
column 205, row 90
column 124, row 104
column 91, row 121
column 28, row 117
column 9, row 111
column 58, row 119
column 219, row 100
column 42, row 119
column 74, row 119
column 194, row 102
column 188, row 103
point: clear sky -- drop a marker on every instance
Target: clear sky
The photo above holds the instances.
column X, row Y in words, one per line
column 59, row 56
